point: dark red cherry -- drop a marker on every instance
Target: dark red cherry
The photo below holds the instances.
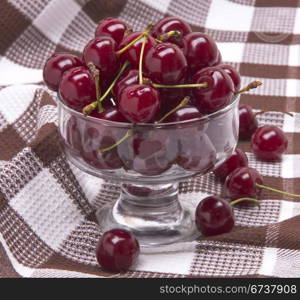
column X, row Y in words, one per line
column 214, row 216
column 248, row 121
column 149, row 153
column 130, row 77
column 171, row 24
column 236, row 160
column 269, row 142
column 133, row 53
column 217, row 94
column 77, row 88
column 101, row 52
column 242, row 183
column 200, row 51
column 196, row 152
column 219, row 59
column 234, row 75
column 188, row 112
column 117, row 250
column 139, row 103
column 56, row 65
column 110, row 114
column 165, row 64
column 112, row 27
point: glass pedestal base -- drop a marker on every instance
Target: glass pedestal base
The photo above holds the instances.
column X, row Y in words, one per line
column 152, row 212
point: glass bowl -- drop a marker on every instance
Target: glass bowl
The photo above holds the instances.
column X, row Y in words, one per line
column 148, row 160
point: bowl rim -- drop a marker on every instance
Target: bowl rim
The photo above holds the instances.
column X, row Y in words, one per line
column 205, row 118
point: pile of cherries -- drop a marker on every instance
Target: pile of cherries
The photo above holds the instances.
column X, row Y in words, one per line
column 167, row 73
column 172, row 55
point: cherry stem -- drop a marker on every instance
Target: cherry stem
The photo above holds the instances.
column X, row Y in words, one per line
column 265, row 111
column 250, row 86
column 123, row 68
column 129, row 132
column 146, row 31
column 141, row 58
column 184, row 102
column 277, row 191
column 193, row 85
column 165, row 36
column 90, row 107
column 96, row 74
column 232, row 203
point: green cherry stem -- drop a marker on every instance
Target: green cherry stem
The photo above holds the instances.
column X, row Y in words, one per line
column 141, row 58
column 184, row 102
column 130, row 132
column 277, row 191
column 119, row 52
column 146, row 31
column 90, row 107
column 234, row 202
column 123, row 68
column 96, row 74
column 165, row 36
column 250, row 86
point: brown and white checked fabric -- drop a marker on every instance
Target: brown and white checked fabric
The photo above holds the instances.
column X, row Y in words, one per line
column 47, row 206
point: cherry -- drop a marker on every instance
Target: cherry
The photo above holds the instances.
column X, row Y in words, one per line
column 133, row 53
column 196, row 152
column 77, row 88
column 166, row 25
column 117, row 250
column 241, row 183
column 110, row 114
column 219, row 60
column 188, row 112
column 101, row 52
column 149, row 153
column 248, row 121
column 217, row 94
column 56, row 65
column 139, row 103
column 130, row 77
column 234, row 75
column 165, row 64
column 269, row 142
column 214, row 216
column 236, row 160
column 200, row 51
column 112, row 27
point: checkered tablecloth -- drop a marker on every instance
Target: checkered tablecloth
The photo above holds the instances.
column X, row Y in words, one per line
column 47, row 206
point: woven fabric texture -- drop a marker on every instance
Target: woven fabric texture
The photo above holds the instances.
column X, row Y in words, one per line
column 47, row 206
